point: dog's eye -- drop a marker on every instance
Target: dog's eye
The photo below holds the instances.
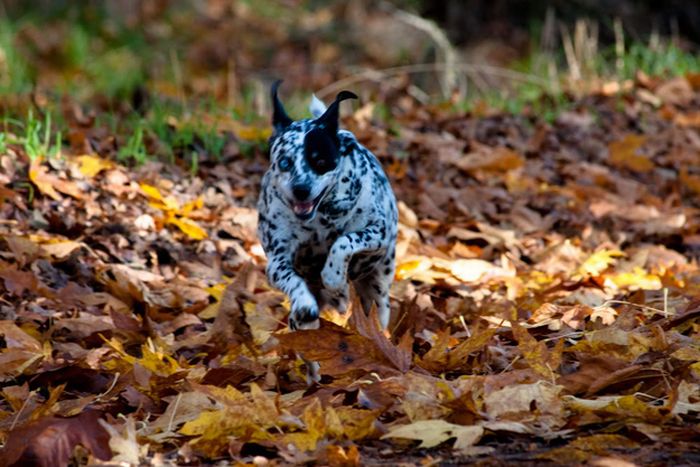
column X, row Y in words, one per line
column 285, row 164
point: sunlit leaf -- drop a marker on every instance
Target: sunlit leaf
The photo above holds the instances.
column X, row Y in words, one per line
column 91, row 165
column 598, row 262
column 188, row 227
column 634, row 280
column 44, row 182
column 430, row 433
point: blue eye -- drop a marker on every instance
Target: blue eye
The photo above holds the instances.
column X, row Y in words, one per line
column 285, row 164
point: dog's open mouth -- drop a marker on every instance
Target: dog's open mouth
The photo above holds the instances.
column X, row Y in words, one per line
column 305, row 209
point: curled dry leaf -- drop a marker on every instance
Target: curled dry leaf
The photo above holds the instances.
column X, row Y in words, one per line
column 430, row 433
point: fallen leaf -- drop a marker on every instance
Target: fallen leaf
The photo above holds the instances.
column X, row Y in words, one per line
column 431, row 433
column 624, row 153
column 50, row 441
column 91, row 165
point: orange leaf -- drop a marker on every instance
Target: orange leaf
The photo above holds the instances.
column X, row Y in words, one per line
column 43, row 181
column 623, row 153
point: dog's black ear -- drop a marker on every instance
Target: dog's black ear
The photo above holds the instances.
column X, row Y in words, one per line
column 329, row 119
column 280, row 119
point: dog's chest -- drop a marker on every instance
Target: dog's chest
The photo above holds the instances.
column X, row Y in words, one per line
column 314, row 246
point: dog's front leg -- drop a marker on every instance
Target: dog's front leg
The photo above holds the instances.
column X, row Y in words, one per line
column 304, row 308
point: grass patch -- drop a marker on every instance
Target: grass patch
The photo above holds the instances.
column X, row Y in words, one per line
column 37, row 137
column 134, row 150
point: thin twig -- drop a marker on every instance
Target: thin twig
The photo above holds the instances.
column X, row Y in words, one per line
column 623, row 302
column 448, row 52
column 19, row 412
column 111, row 386
column 172, row 416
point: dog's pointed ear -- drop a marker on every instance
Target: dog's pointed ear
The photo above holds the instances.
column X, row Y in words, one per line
column 329, row 119
column 280, row 119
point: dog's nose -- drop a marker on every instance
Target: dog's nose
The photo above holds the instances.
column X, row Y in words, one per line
column 301, row 192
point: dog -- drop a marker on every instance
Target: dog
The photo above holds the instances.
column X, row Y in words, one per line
column 327, row 216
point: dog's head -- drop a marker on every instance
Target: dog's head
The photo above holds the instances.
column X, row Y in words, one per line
column 305, row 155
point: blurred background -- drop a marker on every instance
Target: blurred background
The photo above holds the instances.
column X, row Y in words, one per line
column 204, row 67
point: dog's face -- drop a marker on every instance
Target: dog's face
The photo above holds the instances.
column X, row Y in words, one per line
column 305, row 156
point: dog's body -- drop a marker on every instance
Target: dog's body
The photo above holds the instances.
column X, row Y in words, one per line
column 327, row 215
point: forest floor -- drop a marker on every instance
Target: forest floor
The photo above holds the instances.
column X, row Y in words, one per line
column 545, row 307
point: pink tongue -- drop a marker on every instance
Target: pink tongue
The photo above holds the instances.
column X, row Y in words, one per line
column 303, row 207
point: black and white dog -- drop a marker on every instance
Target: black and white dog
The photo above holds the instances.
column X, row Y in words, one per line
column 327, row 215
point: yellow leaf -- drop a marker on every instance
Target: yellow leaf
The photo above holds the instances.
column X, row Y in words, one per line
column 315, row 425
column 638, row 279
column 412, row 267
column 91, row 165
column 599, row 262
column 247, row 418
column 217, row 290
column 623, row 153
column 191, row 206
column 153, row 358
column 261, row 320
column 188, row 227
column 357, row 423
column 433, row 432
column 152, row 192
column 535, row 352
column 157, row 361
column 619, row 408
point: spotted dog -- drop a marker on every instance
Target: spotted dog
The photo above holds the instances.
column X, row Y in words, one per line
column 327, row 215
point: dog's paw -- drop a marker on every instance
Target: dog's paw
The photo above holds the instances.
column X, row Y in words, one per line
column 304, row 314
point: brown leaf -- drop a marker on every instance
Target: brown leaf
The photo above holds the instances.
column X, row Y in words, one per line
column 624, row 153
column 368, row 326
column 591, row 369
column 536, row 354
column 230, row 325
column 50, row 441
column 339, row 351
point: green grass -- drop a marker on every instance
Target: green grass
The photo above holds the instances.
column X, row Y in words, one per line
column 38, row 138
column 663, row 59
column 134, row 150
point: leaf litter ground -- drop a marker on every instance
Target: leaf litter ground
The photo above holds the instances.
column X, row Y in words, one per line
column 545, row 308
